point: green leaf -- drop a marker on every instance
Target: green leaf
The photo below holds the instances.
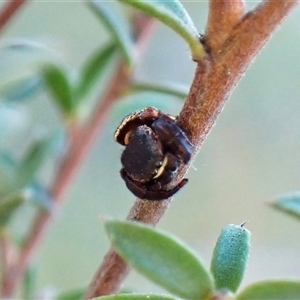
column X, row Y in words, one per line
column 7, row 173
column 93, row 69
column 22, row 89
column 172, row 14
column 60, row 88
column 168, row 89
column 117, row 28
column 271, row 289
column 135, row 297
column 161, row 258
column 72, row 295
column 8, row 206
column 29, row 282
column 24, row 45
column 31, row 163
column 230, row 257
column 289, row 204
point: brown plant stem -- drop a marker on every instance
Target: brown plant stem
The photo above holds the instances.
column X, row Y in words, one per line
column 223, row 16
column 81, row 142
column 216, row 76
column 114, row 270
column 5, row 254
column 9, row 10
column 79, row 147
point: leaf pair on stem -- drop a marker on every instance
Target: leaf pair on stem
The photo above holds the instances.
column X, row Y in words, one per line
column 168, row 262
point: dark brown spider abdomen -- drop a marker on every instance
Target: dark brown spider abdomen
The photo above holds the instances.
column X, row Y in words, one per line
column 143, row 155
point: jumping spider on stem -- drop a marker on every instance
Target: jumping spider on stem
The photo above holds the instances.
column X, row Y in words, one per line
column 155, row 146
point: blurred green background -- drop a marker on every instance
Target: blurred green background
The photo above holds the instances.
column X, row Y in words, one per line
column 251, row 156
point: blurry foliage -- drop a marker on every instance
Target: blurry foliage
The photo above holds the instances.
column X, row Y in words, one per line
column 18, row 178
column 20, row 182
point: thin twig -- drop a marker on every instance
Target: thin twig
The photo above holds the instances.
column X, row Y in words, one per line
column 80, row 145
column 66, row 173
column 9, row 10
column 216, row 76
column 114, row 270
column 5, row 255
column 223, row 16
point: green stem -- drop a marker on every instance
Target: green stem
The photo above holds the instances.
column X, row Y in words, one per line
column 177, row 91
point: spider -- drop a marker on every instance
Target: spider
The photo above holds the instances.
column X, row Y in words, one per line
column 155, row 145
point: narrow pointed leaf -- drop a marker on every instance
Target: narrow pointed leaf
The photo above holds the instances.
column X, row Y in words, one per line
column 22, row 89
column 8, row 206
column 7, row 173
column 289, row 204
column 272, row 289
column 31, row 163
column 168, row 89
column 135, row 297
column 117, row 28
column 60, row 88
column 230, row 257
column 72, row 295
column 30, row 47
column 29, row 283
column 161, row 258
column 93, row 69
column 172, row 14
